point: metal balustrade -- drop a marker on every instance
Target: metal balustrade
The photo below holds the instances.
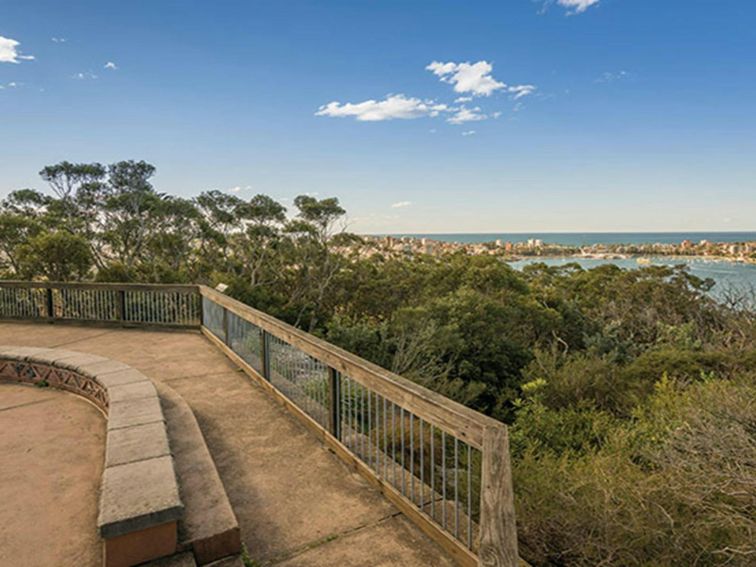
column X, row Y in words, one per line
column 444, row 465
column 140, row 304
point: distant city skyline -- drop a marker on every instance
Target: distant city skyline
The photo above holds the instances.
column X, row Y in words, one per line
column 525, row 116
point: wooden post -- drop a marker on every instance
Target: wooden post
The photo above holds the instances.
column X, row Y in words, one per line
column 498, row 531
column 265, row 355
column 201, row 308
column 226, row 336
column 334, row 402
column 50, row 304
column 121, row 304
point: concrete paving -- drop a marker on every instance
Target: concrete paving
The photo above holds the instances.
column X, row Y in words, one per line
column 52, row 447
column 297, row 504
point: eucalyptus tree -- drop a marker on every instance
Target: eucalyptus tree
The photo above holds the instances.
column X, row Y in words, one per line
column 56, row 255
column 259, row 244
column 170, row 250
column 218, row 221
column 129, row 205
column 79, row 188
column 314, row 264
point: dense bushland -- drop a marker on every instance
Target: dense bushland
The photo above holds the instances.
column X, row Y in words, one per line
column 630, row 394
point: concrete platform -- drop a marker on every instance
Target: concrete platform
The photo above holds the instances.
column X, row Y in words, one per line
column 52, row 447
column 296, row 503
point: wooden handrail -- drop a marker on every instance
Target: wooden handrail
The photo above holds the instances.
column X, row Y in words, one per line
column 497, row 545
column 456, row 419
column 187, row 288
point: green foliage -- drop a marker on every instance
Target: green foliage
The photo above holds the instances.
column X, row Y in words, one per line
column 674, row 486
column 58, row 256
column 629, row 393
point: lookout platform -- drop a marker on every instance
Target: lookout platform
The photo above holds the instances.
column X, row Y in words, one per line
column 297, row 504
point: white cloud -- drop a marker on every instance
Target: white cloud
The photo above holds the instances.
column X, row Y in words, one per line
column 110, row 65
column 610, row 77
column 401, row 204
column 474, row 78
column 58, row 39
column 463, row 99
column 390, row 108
column 577, row 6
column 85, row 76
column 519, row 91
column 463, row 115
column 468, row 133
column 9, row 51
column 239, row 189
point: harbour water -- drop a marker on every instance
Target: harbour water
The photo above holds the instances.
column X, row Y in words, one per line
column 724, row 273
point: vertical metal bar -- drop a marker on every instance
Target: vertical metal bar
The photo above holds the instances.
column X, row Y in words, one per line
column 412, row 456
column 469, row 496
column 443, row 476
column 404, row 476
column 456, row 488
column 385, row 439
column 393, row 440
column 355, row 409
column 362, row 422
column 369, row 431
column 433, row 475
column 422, row 465
column 334, row 402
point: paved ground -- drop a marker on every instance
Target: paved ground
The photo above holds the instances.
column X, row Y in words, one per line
column 52, row 448
column 297, row 504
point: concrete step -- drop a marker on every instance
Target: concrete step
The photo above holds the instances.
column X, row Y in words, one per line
column 234, row 561
column 209, row 527
column 185, row 559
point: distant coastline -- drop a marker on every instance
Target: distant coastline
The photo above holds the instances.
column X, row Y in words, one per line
column 586, row 238
column 727, row 258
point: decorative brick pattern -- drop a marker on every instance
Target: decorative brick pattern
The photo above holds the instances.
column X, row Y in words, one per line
column 56, row 377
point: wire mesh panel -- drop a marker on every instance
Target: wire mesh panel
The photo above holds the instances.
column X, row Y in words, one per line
column 245, row 339
column 86, row 304
column 161, row 307
column 23, row 303
column 437, row 472
column 212, row 317
column 301, row 378
column 426, row 458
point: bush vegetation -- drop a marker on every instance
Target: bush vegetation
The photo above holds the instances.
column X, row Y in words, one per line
column 629, row 393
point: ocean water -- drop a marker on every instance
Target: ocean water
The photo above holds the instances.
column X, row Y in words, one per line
column 588, row 238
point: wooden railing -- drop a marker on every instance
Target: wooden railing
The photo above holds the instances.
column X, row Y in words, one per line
column 123, row 304
column 444, row 465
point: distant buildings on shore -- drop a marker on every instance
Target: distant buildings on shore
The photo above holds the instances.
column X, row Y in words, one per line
column 392, row 246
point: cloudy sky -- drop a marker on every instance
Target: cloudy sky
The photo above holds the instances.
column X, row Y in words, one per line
column 421, row 116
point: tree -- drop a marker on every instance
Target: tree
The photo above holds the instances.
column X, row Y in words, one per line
column 129, row 202
column 58, row 256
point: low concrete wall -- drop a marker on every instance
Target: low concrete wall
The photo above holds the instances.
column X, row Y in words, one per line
column 139, row 502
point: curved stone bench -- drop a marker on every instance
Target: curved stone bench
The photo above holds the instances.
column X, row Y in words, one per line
column 139, row 500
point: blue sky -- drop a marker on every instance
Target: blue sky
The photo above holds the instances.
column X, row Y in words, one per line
column 421, row 116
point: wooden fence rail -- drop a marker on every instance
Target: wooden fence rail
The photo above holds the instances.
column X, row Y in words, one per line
column 444, row 465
